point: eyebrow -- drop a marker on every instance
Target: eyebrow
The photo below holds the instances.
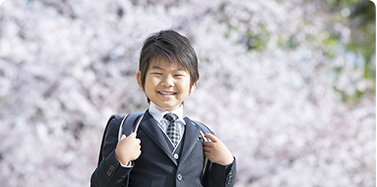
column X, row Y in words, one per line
column 157, row 67
column 160, row 68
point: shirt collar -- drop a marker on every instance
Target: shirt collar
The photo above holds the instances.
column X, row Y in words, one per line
column 158, row 112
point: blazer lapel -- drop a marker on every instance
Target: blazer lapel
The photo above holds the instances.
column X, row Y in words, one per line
column 191, row 137
column 150, row 127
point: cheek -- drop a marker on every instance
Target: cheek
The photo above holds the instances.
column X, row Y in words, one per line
column 150, row 81
column 186, row 88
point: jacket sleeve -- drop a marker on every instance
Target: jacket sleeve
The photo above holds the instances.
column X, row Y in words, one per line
column 221, row 176
column 110, row 173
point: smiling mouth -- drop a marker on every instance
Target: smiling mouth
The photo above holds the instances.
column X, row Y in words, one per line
column 167, row 93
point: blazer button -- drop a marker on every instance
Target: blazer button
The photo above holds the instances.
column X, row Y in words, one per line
column 176, row 156
column 179, row 177
column 110, row 170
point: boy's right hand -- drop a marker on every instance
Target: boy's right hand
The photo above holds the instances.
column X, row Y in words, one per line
column 128, row 149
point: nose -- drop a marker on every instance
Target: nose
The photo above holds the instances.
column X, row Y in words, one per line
column 168, row 81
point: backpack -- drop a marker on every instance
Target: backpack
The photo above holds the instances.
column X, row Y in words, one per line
column 131, row 122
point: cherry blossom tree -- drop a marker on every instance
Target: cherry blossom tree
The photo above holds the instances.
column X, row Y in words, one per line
column 269, row 87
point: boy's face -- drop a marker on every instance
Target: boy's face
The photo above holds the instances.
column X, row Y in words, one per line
column 166, row 85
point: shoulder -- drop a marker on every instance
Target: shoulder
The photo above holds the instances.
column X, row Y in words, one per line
column 111, row 135
column 113, row 124
column 203, row 127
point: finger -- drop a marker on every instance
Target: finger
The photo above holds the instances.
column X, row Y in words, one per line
column 212, row 137
column 207, row 154
column 207, row 144
column 132, row 135
column 207, row 147
column 138, row 141
column 123, row 136
column 207, row 150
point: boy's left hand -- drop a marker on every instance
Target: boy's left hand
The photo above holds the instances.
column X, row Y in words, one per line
column 216, row 151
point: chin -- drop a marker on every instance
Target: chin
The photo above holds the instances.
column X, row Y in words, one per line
column 170, row 107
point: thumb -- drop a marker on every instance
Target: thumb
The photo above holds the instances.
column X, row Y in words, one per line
column 122, row 137
column 212, row 137
column 132, row 135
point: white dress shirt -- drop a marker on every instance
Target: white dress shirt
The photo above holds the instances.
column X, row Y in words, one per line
column 158, row 114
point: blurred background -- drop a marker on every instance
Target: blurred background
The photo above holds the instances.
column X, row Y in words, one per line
column 288, row 86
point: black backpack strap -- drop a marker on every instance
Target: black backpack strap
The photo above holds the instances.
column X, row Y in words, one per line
column 127, row 126
column 203, row 127
column 207, row 163
column 111, row 119
column 131, row 123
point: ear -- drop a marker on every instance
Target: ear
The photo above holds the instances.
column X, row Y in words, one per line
column 138, row 78
column 194, row 86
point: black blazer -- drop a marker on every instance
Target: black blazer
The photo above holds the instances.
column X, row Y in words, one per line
column 156, row 165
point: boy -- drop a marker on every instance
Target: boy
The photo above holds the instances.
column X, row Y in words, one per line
column 166, row 150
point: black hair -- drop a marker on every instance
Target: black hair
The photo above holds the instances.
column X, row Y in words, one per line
column 171, row 47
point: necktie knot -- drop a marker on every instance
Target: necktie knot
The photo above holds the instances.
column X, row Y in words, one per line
column 171, row 117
